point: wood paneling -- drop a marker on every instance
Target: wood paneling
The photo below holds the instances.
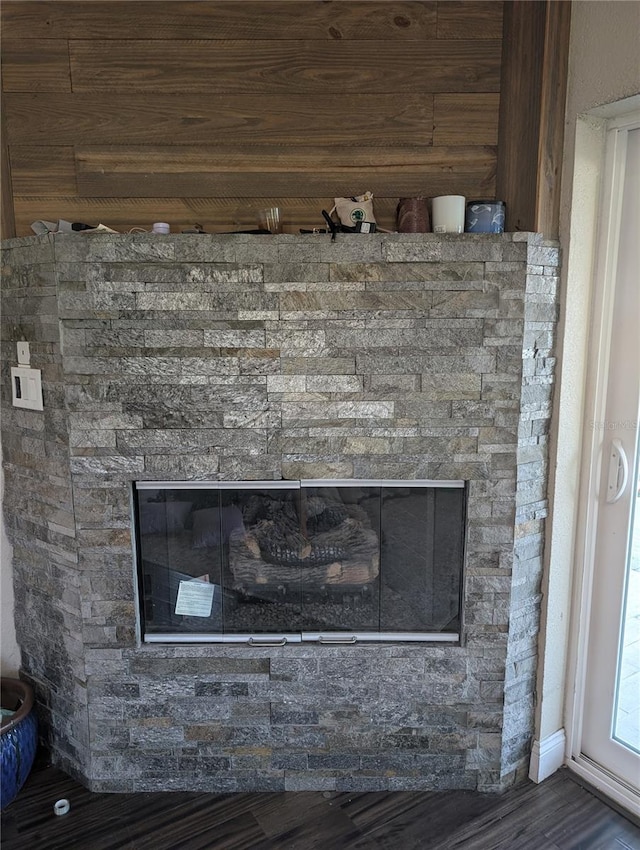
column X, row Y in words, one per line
column 35, row 64
column 469, row 19
column 321, row 120
column 43, row 170
column 7, row 219
column 234, row 19
column 519, row 127
column 534, row 69
column 285, row 67
column 226, row 173
column 552, row 100
column 130, row 112
column 462, row 119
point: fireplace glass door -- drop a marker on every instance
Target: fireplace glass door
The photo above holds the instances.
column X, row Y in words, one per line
column 282, row 561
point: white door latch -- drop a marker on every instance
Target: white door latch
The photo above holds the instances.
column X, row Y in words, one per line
column 618, row 463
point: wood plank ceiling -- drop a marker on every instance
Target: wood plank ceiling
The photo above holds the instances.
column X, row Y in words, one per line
column 131, row 112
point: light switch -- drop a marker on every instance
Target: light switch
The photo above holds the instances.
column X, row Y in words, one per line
column 26, row 387
column 24, row 356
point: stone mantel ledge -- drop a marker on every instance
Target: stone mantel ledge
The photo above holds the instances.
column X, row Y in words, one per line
column 242, row 247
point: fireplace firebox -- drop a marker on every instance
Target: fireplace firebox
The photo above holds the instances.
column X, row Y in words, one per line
column 290, row 561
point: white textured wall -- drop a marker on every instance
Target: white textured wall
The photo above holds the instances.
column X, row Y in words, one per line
column 604, row 67
column 604, row 63
column 9, row 652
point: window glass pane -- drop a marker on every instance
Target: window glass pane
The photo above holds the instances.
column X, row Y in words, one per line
column 340, row 582
column 421, row 559
column 261, row 563
column 271, row 560
column 180, row 543
column 448, row 554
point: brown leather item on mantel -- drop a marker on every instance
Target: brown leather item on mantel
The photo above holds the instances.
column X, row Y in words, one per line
column 412, row 216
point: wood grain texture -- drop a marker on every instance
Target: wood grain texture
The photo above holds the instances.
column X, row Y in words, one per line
column 216, row 215
column 231, row 102
column 531, row 126
column 520, row 105
column 35, row 64
column 7, row 213
column 461, row 119
column 558, row 814
column 477, row 19
column 365, row 119
column 226, row 173
column 242, row 19
column 553, row 96
column 285, row 67
column 43, row 170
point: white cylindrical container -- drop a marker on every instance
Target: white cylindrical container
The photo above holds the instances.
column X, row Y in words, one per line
column 447, row 214
column 161, row 227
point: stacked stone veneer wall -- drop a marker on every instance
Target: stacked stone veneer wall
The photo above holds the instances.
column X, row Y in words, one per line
column 39, row 510
column 240, row 357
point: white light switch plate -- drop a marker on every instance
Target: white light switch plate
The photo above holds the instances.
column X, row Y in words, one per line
column 24, row 356
column 26, row 387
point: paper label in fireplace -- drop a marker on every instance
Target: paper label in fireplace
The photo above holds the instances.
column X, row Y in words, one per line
column 195, row 598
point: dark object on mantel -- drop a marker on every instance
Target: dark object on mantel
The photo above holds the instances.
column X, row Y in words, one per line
column 257, row 231
column 333, row 227
column 360, row 227
column 197, row 228
column 412, row 215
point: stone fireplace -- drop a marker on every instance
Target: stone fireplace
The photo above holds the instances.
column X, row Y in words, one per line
column 278, row 562
column 233, row 358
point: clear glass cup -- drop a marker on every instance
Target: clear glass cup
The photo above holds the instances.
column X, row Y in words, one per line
column 270, row 219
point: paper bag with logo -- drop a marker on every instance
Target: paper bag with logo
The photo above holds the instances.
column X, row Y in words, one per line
column 353, row 210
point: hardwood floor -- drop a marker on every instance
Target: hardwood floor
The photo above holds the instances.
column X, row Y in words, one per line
column 559, row 814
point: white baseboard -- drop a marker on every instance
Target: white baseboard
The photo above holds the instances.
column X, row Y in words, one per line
column 547, row 756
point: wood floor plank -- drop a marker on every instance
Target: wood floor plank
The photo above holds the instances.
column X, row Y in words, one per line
column 534, row 841
column 525, row 806
column 617, row 843
column 200, row 832
column 277, row 816
column 559, row 814
column 583, row 827
column 423, row 820
column 380, row 815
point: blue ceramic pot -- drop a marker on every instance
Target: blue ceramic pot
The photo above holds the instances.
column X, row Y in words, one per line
column 19, row 737
column 484, row 217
